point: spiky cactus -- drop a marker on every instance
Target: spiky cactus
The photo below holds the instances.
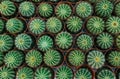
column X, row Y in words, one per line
column 14, row 25
column 52, row 57
column 25, row 73
column 7, row 8
column 54, row 25
column 37, row 26
column 23, row 41
column 83, row 9
column 45, row 43
column 95, row 59
column 27, row 9
column 64, row 40
column 76, row 57
column 117, row 9
column 74, row 24
column 63, row 11
column 6, row 42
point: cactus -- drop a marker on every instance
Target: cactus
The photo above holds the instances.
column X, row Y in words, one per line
column 63, row 11
column 1, row 58
column 118, row 41
column 74, row 24
column 117, row 9
column 7, row 8
column 2, row 25
column 84, row 42
column 25, row 73
column 45, row 43
column 95, row 59
column 37, row 26
column 104, row 8
column 95, row 25
column 52, row 57
column 64, row 72
column 53, row 25
column 14, row 25
column 76, row 57
column 34, row 58
column 64, row 40
column 45, row 9
column 83, row 9
column 27, row 9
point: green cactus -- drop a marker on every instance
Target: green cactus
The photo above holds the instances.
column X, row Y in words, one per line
column 45, row 9
column 104, row 40
column 44, row 73
column 63, row 11
column 45, row 43
column 83, row 9
column 14, row 25
column 7, row 8
column 74, row 24
column 64, row 72
column 34, row 58
column 104, row 8
column 23, row 41
column 95, row 59
column 2, row 25
column 114, row 58
column 25, row 73
column 6, row 42
column 113, row 25
column 84, row 42
column 37, row 26
column 52, row 57
column 53, row 25
column 118, row 41
column 7, row 73
column 76, row 57
column 64, row 40
column 105, row 73
column 27, row 9
column 83, row 73
column 117, row 9
column 95, row 25
column 14, row 58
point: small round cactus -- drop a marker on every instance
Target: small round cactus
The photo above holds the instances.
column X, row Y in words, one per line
column 95, row 25
column 44, row 73
column 64, row 72
column 52, row 58
column 14, row 25
column 45, row 43
column 53, row 25
column 2, row 25
column 27, row 9
column 23, row 41
column 105, row 73
column 117, row 9
column 6, row 42
column 7, row 8
column 83, row 9
column 84, row 42
column 118, row 41
column 74, row 24
column 7, row 73
column 25, row 73
column 33, row 58
column 104, row 40
column 63, row 11
column 76, row 57
column 114, row 58
column 113, row 25
column 45, row 9
column 37, row 26
column 1, row 58
column 36, row 0
column 83, row 73
column 95, row 59
column 64, row 40
column 14, row 58
column 104, row 8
